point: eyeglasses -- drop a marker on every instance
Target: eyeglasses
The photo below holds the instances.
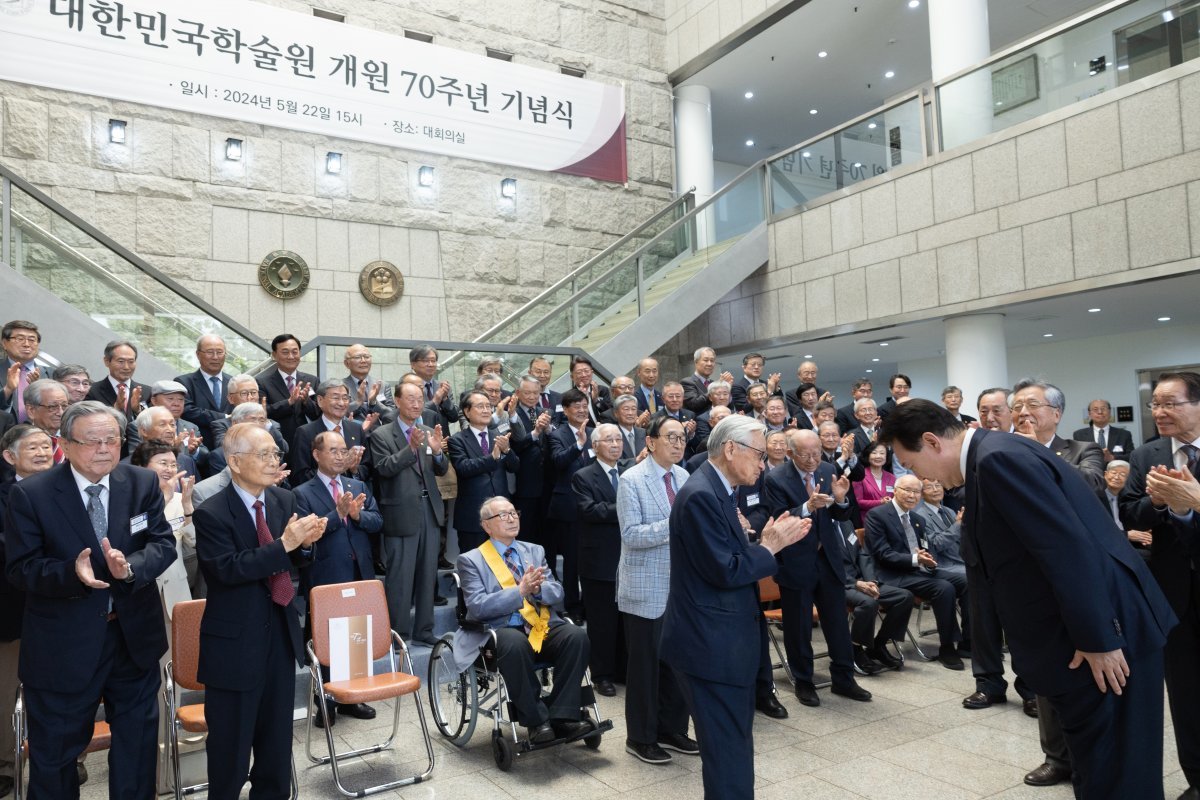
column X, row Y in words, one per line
column 761, row 453
column 1169, row 405
column 432, row 360
column 610, row 439
column 507, row 516
column 211, row 353
column 1032, row 405
column 92, row 444
column 338, row 451
column 23, row 339
column 245, row 393
column 906, row 490
column 265, row 455
column 76, row 382
column 59, row 407
column 360, row 357
column 123, row 362
column 339, row 397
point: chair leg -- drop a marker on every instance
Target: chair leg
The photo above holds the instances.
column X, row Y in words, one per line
column 20, row 734
column 783, row 662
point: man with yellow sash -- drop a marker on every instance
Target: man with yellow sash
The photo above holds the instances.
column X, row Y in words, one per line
column 509, row 588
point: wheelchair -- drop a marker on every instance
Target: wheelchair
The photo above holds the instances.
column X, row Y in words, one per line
column 457, row 699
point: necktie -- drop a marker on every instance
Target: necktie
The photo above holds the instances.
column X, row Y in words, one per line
column 58, row 453
column 706, row 383
column 338, row 429
column 429, row 390
column 510, row 560
column 1191, row 451
column 483, row 444
column 1116, row 513
column 280, row 583
column 670, row 489
column 809, row 484
column 336, row 488
column 1102, row 440
column 612, row 476
column 362, row 389
column 291, row 384
column 22, row 382
column 546, row 400
column 653, row 405
column 629, row 442
column 128, row 396
column 95, row 511
column 216, row 391
column 909, row 533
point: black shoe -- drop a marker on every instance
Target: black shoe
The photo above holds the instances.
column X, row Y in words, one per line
column 949, row 658
column 81, row 772
column 566, row 728
column 6, row 785
column 807, row 694
column 864, row 662
column 1048, row 775
column 542, row 733
column 851, row 690
column 330, row 707
column 444, row 564
column 438, row 600
column 1030, row 708
column 680, row 743
column 983, row 700
column 882, row 656
column 769, row 704
column 650, row 753
column 605, row 687
column 1190, row 793
column 356, row 710
column 379, row 568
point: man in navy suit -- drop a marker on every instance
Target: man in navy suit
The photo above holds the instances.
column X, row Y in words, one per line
column 1115, row 442
column 248, row 539
column 695, row 386
column 648, row 397
column 207, row 398
column 285, row 391
column 1174, row 557
column 118, row 389
column 333, row 398
column 1085, row 620
column 350, row 515
column 85, row 542
column 530, row 490
column 752, row 370
column 568, row 451
column 423, row 360
column 482, row 456
column 548, row 399
column 713, row 603
column 21, row 341
column 810, row 489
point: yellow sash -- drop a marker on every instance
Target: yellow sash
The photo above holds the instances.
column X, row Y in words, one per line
column 538, row 621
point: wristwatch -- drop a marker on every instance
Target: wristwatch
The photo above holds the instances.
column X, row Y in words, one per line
column 129, row 573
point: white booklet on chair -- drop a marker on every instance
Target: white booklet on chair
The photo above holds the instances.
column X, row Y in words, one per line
column 350, row 647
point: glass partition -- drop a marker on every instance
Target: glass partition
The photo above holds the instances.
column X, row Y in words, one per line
column 1127, row 42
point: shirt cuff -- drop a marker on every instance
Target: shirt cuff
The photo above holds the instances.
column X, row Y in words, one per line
column 914, row 559
column 1183, row 517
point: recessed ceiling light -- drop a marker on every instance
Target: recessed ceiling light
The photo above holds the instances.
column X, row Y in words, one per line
column 857, row 164
column 749, row 95
column 808, row 355
column 749, row 143
column 806, row 154
column 914, row 3
column 884, row 344
column 874, row 359
column 872, row 125
column 870, row 370
column 1093, row 310
column 889, row 74
column 822, row 54
column 812, row 111
column 1164, row 319
column 1047, row 335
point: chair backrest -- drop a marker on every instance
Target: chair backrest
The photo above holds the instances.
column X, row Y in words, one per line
column 185, row 642
column 860, row 534
column 360, row 598
column 768, row 590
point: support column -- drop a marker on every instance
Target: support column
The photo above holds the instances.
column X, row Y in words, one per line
column 694, row 147
column 976, row 355
column 958, row 38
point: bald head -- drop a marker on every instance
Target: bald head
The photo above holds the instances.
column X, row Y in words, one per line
column 804, row 447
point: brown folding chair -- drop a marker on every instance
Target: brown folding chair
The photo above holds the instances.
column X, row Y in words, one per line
column 921, row 605
column 101, row 740
column 768, row 592
column 361, row 598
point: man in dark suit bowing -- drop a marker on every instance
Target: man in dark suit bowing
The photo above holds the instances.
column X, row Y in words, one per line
column 1175, row 405
column 85, row 542
column 595, row 488
column 350, row 515
column 207, row 398
column 1115, row 442
column 482, row 456
column 812, row 571
column 408, row 458
column 248, row 539
column 285, row 391
column 1085, row 620
column 713, row 603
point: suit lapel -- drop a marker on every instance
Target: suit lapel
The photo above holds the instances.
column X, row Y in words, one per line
column 119, row 500
column 244, row 527
column 323, row 498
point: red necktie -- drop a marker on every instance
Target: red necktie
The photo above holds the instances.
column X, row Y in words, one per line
column 291, row 384
column 280, row 583
column 670, row 489
column 58, row 453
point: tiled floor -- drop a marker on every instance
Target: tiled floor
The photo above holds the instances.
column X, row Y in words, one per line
column 914, row 740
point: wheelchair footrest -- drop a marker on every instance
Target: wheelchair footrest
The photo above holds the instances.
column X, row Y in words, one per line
column 525, row 746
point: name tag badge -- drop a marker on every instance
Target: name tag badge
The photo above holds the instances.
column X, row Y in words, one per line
column 138, row 524
column 591, row 453
column 752, row 499
column 558, row 409
column 503, row 428
column 428, row 450
column 1118, row 449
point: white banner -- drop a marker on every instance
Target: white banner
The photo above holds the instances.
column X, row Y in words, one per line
column 257, row 63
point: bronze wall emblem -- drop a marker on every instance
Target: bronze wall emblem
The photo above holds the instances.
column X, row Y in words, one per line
column 381, row 283
column 283, row 274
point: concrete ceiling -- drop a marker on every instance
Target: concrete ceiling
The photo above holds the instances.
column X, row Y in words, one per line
column 864, row 39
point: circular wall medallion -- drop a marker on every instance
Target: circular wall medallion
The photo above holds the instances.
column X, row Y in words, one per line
column 381, row 283
column 283, row 274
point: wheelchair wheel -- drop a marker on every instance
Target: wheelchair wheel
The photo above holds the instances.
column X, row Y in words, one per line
column 593, row 741
column 502, row 751
column 453, row 695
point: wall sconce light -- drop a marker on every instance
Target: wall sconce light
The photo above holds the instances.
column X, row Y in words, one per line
column 425, row 176
column 333, row 163
column 116, row 131
column 233, row 149
column 508, row 188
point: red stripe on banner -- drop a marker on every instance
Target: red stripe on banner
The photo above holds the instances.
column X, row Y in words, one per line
column 608, row 163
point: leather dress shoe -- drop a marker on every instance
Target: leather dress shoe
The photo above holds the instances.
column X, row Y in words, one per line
column 1190, row 793
column 1030, row 708
column 650, row 753
column 542, row 733
column 330, row 707
column 438, row 600
column 769, row 704
column 81, row 772
column 566, row 728
column 949, row 658
column 983, row 700
column 865, row 663
column 356, row 710
column 807, row 694
column 380, row 569
column 605, row 687
column 444, row 564
column 680, row 743
column 851, row 690
column 1048, row 775
column 882, row 656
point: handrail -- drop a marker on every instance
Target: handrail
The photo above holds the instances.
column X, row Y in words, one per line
column 683, row 198
column 137, row 261
column 670, row 229
column 908, row 97
column 1037, row 38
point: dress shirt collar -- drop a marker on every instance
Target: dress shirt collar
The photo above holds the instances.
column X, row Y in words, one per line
column 116, row 384
column 724, row 481
column 82, row 483
column 208, row 378
column 325, row 479
column 249, row 499
column 477, row 431
column 330, row 424
column 286, row 375
column 899, row 510
column 1180, row 458
column 962, row 455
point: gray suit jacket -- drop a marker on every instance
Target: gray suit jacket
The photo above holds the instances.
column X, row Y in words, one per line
column 643, row 512
column 399, row 472
column 490, row 605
